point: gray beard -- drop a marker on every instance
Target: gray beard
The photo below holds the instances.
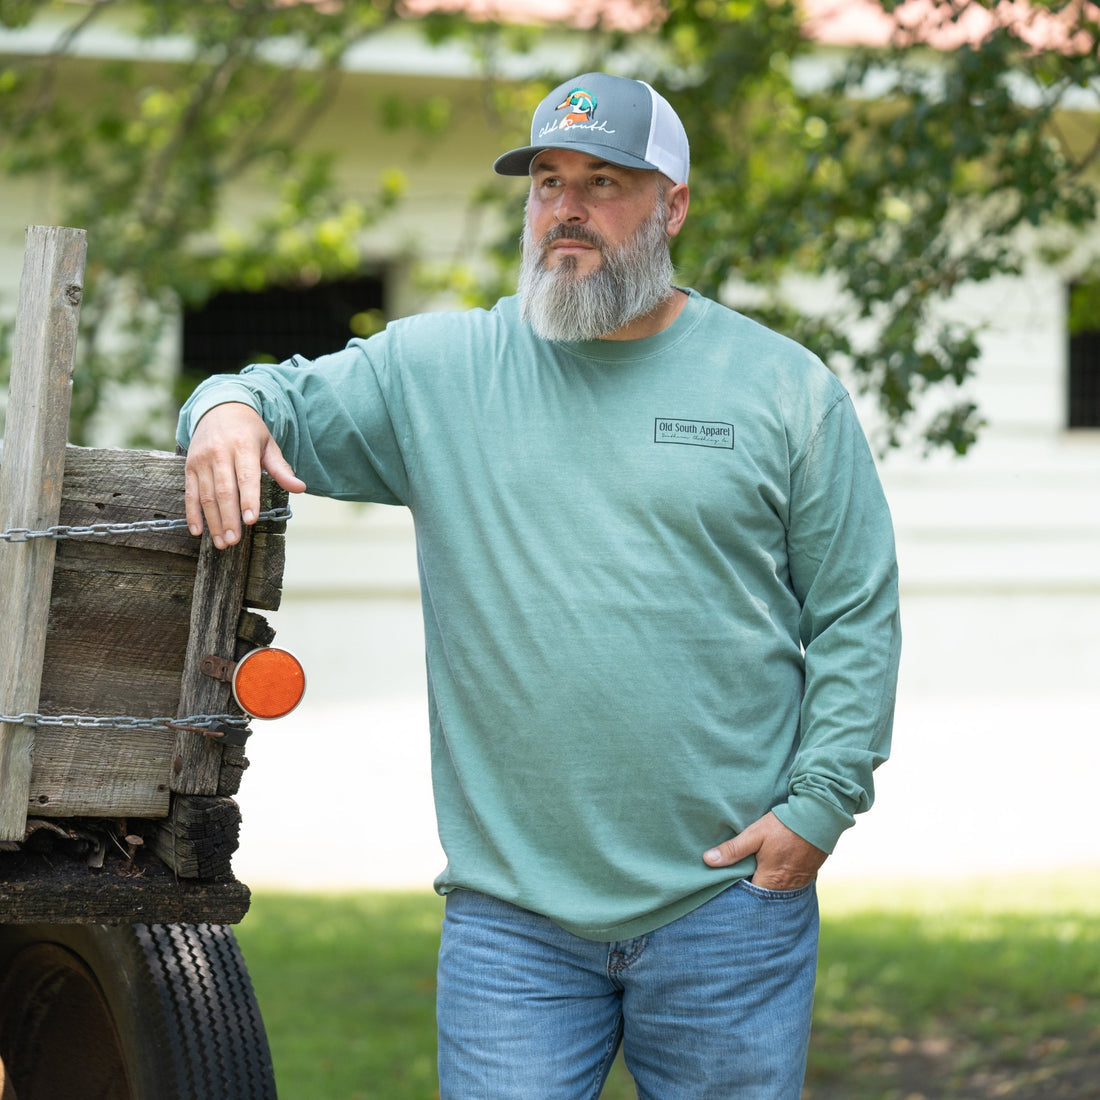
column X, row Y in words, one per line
column 631, row 282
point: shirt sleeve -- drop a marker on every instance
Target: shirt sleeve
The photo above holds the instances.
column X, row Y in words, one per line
column 331, row 418
column 843, row 569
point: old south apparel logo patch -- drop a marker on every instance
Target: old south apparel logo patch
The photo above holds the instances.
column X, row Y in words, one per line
column 693, row 433
column 580, row 108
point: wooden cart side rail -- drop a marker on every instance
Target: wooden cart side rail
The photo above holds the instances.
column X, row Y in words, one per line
column 125, row 611
column 114, row 626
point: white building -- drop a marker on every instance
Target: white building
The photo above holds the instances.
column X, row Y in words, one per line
column 997, row 745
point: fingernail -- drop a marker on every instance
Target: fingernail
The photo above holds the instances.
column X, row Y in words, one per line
column 248, row 515
column 195, row 530
column 713, row 856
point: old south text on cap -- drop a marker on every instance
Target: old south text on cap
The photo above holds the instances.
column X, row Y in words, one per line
column 619, row 120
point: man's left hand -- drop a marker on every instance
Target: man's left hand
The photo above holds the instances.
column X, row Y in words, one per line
column 784, row 861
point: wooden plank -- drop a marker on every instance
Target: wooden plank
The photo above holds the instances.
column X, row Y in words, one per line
column 264, row 588
column 199, row 837
column 215, row 608
column 109, row 772
column 40, row 393
column 265, row 574
column 40, row 890
column 234, row 765
column 119, row 621
column 118, row 632
column 121, row 605
column 110, row 485
column 252, row 630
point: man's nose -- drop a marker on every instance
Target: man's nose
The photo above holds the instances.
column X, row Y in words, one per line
column 571, row 207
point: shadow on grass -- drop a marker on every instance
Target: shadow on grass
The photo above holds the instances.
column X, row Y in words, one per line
column 958, row 1003
column 952, row 1001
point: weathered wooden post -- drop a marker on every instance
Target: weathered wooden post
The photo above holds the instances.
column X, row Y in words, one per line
column 43, row 351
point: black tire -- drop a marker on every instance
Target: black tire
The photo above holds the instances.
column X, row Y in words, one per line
column 140, row 1012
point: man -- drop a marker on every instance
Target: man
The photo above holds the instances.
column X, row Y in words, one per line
column 660, row 610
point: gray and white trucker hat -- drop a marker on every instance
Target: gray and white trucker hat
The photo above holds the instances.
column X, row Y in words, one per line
column 622, row 121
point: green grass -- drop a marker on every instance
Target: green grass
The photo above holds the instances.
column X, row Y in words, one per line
column 959, row 989
column 926, row 991
column 346, row 985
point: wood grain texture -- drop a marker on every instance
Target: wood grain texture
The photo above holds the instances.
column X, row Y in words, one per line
column 120, row 615
column 101, row 772
column 199, row 836
column 215, row 609
column 113, row 624
column 121, row 606
column 39, row 890
column 43, row 352
column 264, row 587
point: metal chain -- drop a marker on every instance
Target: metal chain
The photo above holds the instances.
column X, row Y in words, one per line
column 126, row 722
column 24, row 534
column 122, row 721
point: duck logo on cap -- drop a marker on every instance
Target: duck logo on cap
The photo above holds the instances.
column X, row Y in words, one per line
column 581, row 105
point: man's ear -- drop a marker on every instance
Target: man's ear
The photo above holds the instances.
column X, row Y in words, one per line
column 677, row 198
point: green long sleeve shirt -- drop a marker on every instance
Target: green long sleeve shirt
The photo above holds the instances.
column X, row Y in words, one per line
column 659, row 590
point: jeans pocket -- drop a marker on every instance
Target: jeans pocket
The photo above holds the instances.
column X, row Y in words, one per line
column 775, row 895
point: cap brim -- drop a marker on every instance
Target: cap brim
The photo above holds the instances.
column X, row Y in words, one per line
column 517, row 162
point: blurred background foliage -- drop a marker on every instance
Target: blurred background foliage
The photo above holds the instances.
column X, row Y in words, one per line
column 893, row 175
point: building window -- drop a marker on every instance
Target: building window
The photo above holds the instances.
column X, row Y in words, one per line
column 1084, row 356
column 1084, row 380
column 236, row 328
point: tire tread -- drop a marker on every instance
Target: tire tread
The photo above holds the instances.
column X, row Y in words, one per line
column 209, row 1024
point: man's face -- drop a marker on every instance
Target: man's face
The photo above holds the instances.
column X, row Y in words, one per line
column 595, row 249
column 600, row 201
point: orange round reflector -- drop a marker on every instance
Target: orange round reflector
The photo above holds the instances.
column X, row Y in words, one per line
column 268, row 682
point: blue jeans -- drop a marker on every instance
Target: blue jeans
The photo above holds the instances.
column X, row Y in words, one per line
column 715, row 1005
